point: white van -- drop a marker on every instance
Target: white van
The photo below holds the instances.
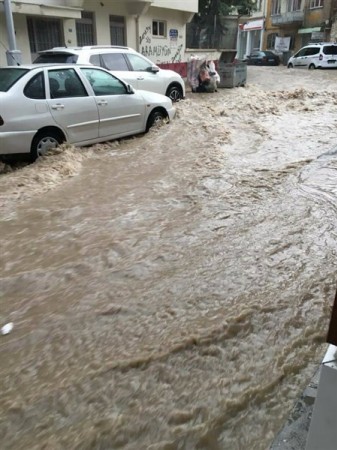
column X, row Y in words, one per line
column 315, row 56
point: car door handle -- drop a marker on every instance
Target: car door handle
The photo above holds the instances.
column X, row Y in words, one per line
column 140, row 78
column 57, row 106
column 102, row 103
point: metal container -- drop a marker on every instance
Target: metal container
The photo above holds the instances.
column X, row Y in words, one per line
column 232, row 74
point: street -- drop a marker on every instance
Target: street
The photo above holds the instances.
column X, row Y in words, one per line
column 173, row 290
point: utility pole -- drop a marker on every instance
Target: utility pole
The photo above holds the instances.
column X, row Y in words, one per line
column 13, row 54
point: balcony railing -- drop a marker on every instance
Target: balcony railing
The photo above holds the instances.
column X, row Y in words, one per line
column 288, row 18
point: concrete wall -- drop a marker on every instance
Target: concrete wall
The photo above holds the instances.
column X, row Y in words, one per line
column 161, row 50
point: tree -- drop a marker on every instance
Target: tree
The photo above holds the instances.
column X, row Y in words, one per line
column 209, row 27
column 211, row 8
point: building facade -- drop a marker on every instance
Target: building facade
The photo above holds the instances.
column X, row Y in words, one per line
column 251, row 31
column 155, row 28
column 285, row 26
column 302, row 21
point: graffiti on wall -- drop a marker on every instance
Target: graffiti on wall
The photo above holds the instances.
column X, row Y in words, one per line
column 168, row 53
column 145, row 36
column 177, row 56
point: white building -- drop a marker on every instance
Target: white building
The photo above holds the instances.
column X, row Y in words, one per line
column 156, row 28
column 251, row 30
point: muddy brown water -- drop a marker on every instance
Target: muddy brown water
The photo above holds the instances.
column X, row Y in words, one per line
column 173, row 290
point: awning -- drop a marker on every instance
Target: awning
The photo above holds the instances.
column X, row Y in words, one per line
column 308, row 30
column 254, row 25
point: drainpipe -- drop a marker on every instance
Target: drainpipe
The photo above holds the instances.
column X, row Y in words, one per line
column 137, row 33
column 13, row 55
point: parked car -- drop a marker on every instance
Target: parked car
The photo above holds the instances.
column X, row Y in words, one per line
column 42, row 106
column 315, row 56
column 130, row 65
column 263, row 58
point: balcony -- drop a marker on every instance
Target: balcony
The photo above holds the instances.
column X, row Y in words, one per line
column 288, row 18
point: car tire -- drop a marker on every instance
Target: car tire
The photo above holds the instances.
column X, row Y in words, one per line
column 174, row 92
column 155, row 118
column 311, row 66
column 43, row 141
column 290, row 66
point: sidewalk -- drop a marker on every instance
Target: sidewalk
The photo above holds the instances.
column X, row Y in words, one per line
column 293, row 435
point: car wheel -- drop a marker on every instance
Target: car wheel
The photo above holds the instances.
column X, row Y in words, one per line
column 175, row 93
column 155, row 118
column 311, row 67
column 290, row 66
column 43, row 141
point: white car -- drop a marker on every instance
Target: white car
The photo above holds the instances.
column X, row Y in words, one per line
column 315, row 56
column 42, row 106
column 130, row 65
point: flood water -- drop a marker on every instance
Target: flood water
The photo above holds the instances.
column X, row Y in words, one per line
column 173, row 291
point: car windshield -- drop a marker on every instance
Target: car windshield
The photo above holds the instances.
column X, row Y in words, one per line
column 9, row 76
column 56, row 58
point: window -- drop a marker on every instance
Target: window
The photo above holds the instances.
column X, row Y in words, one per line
column 158, row 28
column 85, row 29
column 276, row 7
column 316, row 3
column 271, row 40
column 35, row 87
column 44, row 34
column 138, row 63
column 294, row 5
column 65, row 83
column 258, row 5
column 103, row 83
column 311, row 51
column 300, row 53
column 330, row 50
column 114, row 61
column 8, row 77
column 117, row 30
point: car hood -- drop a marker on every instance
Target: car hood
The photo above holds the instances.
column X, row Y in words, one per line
column 153, row 97
column 167, row 73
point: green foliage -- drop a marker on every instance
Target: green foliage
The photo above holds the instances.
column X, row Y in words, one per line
column 211, row 8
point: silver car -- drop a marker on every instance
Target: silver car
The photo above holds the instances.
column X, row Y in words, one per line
column 42, row 106
column 125, row 62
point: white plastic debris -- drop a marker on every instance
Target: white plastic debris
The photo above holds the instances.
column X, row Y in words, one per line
column 6, row 329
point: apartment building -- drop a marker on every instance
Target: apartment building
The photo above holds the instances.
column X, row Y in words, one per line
column 302, row 21
column 156, row 28
column 287, row 25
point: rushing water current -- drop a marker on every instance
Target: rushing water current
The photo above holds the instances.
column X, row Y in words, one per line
column 173, row 290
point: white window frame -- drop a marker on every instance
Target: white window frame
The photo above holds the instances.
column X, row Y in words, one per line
column 276, row 7
column 159, row 23
column 316, row 4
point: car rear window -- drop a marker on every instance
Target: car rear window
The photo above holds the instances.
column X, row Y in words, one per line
column 56, row 58
column 330, row 50
column 8, row 77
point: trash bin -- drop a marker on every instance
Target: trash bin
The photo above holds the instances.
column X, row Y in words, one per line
column 285, row 57
column 232, row 74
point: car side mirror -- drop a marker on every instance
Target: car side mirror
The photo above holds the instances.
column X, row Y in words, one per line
column 129, row 89
column 153, row 69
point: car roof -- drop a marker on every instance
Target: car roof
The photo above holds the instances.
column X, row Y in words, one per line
column 320, row 43
column 53, row 65
column 85, row 48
